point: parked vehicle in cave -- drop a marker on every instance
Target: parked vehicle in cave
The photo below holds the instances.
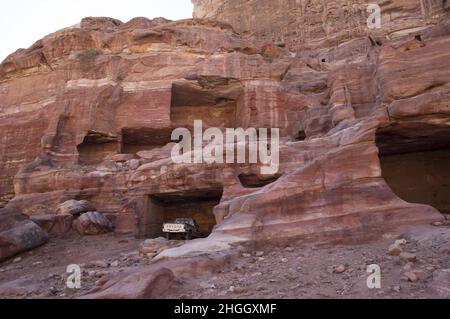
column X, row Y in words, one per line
column 186, row 228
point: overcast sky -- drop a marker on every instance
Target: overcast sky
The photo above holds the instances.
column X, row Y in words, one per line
column 23, row 22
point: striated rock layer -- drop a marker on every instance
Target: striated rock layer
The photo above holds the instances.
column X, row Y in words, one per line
column 87, row 114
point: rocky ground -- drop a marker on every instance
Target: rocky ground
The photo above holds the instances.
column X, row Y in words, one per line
column 41, row 273
column 331, row 272
column 411, row 268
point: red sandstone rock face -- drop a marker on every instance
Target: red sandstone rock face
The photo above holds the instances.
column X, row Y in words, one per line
column 86, row 113
column 311, row 25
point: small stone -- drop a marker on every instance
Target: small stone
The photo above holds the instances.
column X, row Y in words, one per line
column 205, row 285
column 395, row 250
column 438, row 224
column 133, row 164
column 100, row 274
column 396, row 289
column 421, row 274
column 261, row 259
column 430, row 268
column 408, row 267
column 339, row 269
column 246, row 255
column 134, row 256
column 410, row 276
column 284, row 260
column 259, row 254
column 400, row 242
column 100, row 264
column 235, row 290
column 115, row 264
column 424, row 243
column 408, row 257
column 17, row 260
column 435, row 262
column 52, row 276
column 289, row 249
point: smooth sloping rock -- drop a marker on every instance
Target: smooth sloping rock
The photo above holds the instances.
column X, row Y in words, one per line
column 120, row 158
column 153, row 247
column 92, row 223
column 148, row 283
column 18, row 233
column 441, row 282
column 157, row 154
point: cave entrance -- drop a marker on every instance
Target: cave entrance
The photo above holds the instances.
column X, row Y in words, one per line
column 167, row 208
column 415, row 162
column 257, row 180
column 96, row 146
column 144, row 139
column 210, row 99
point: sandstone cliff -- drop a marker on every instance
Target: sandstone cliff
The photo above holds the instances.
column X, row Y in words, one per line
column 79, row 107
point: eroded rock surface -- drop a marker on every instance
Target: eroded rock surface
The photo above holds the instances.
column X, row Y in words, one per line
column 86, row 114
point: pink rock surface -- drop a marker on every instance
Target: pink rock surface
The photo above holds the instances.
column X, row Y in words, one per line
column 79, row 107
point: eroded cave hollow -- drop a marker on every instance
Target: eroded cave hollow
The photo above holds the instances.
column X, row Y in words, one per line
column 144, row 139
column 210, row 99
column 415, row 162
column 95, row 147
column 166, row 208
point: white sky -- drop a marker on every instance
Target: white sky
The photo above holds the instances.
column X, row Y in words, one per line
column 23, row 22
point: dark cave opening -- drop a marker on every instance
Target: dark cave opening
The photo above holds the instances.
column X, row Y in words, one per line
column 256, row 180
column 415, row 162
column 95, row 147
column 212, row 100
column 144, row 139
column 300, row 136
column 166, row 208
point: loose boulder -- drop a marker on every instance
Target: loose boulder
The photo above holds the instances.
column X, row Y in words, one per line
column 75, row 207
column 92, row 223
column 18, row 233
column 56, row 225
column 154, row 246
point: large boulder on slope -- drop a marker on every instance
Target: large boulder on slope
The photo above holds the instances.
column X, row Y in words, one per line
column 93, row 223
column 18, row 233
column 75, row 207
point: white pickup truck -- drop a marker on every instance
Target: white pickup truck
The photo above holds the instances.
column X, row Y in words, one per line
column 182, row 227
